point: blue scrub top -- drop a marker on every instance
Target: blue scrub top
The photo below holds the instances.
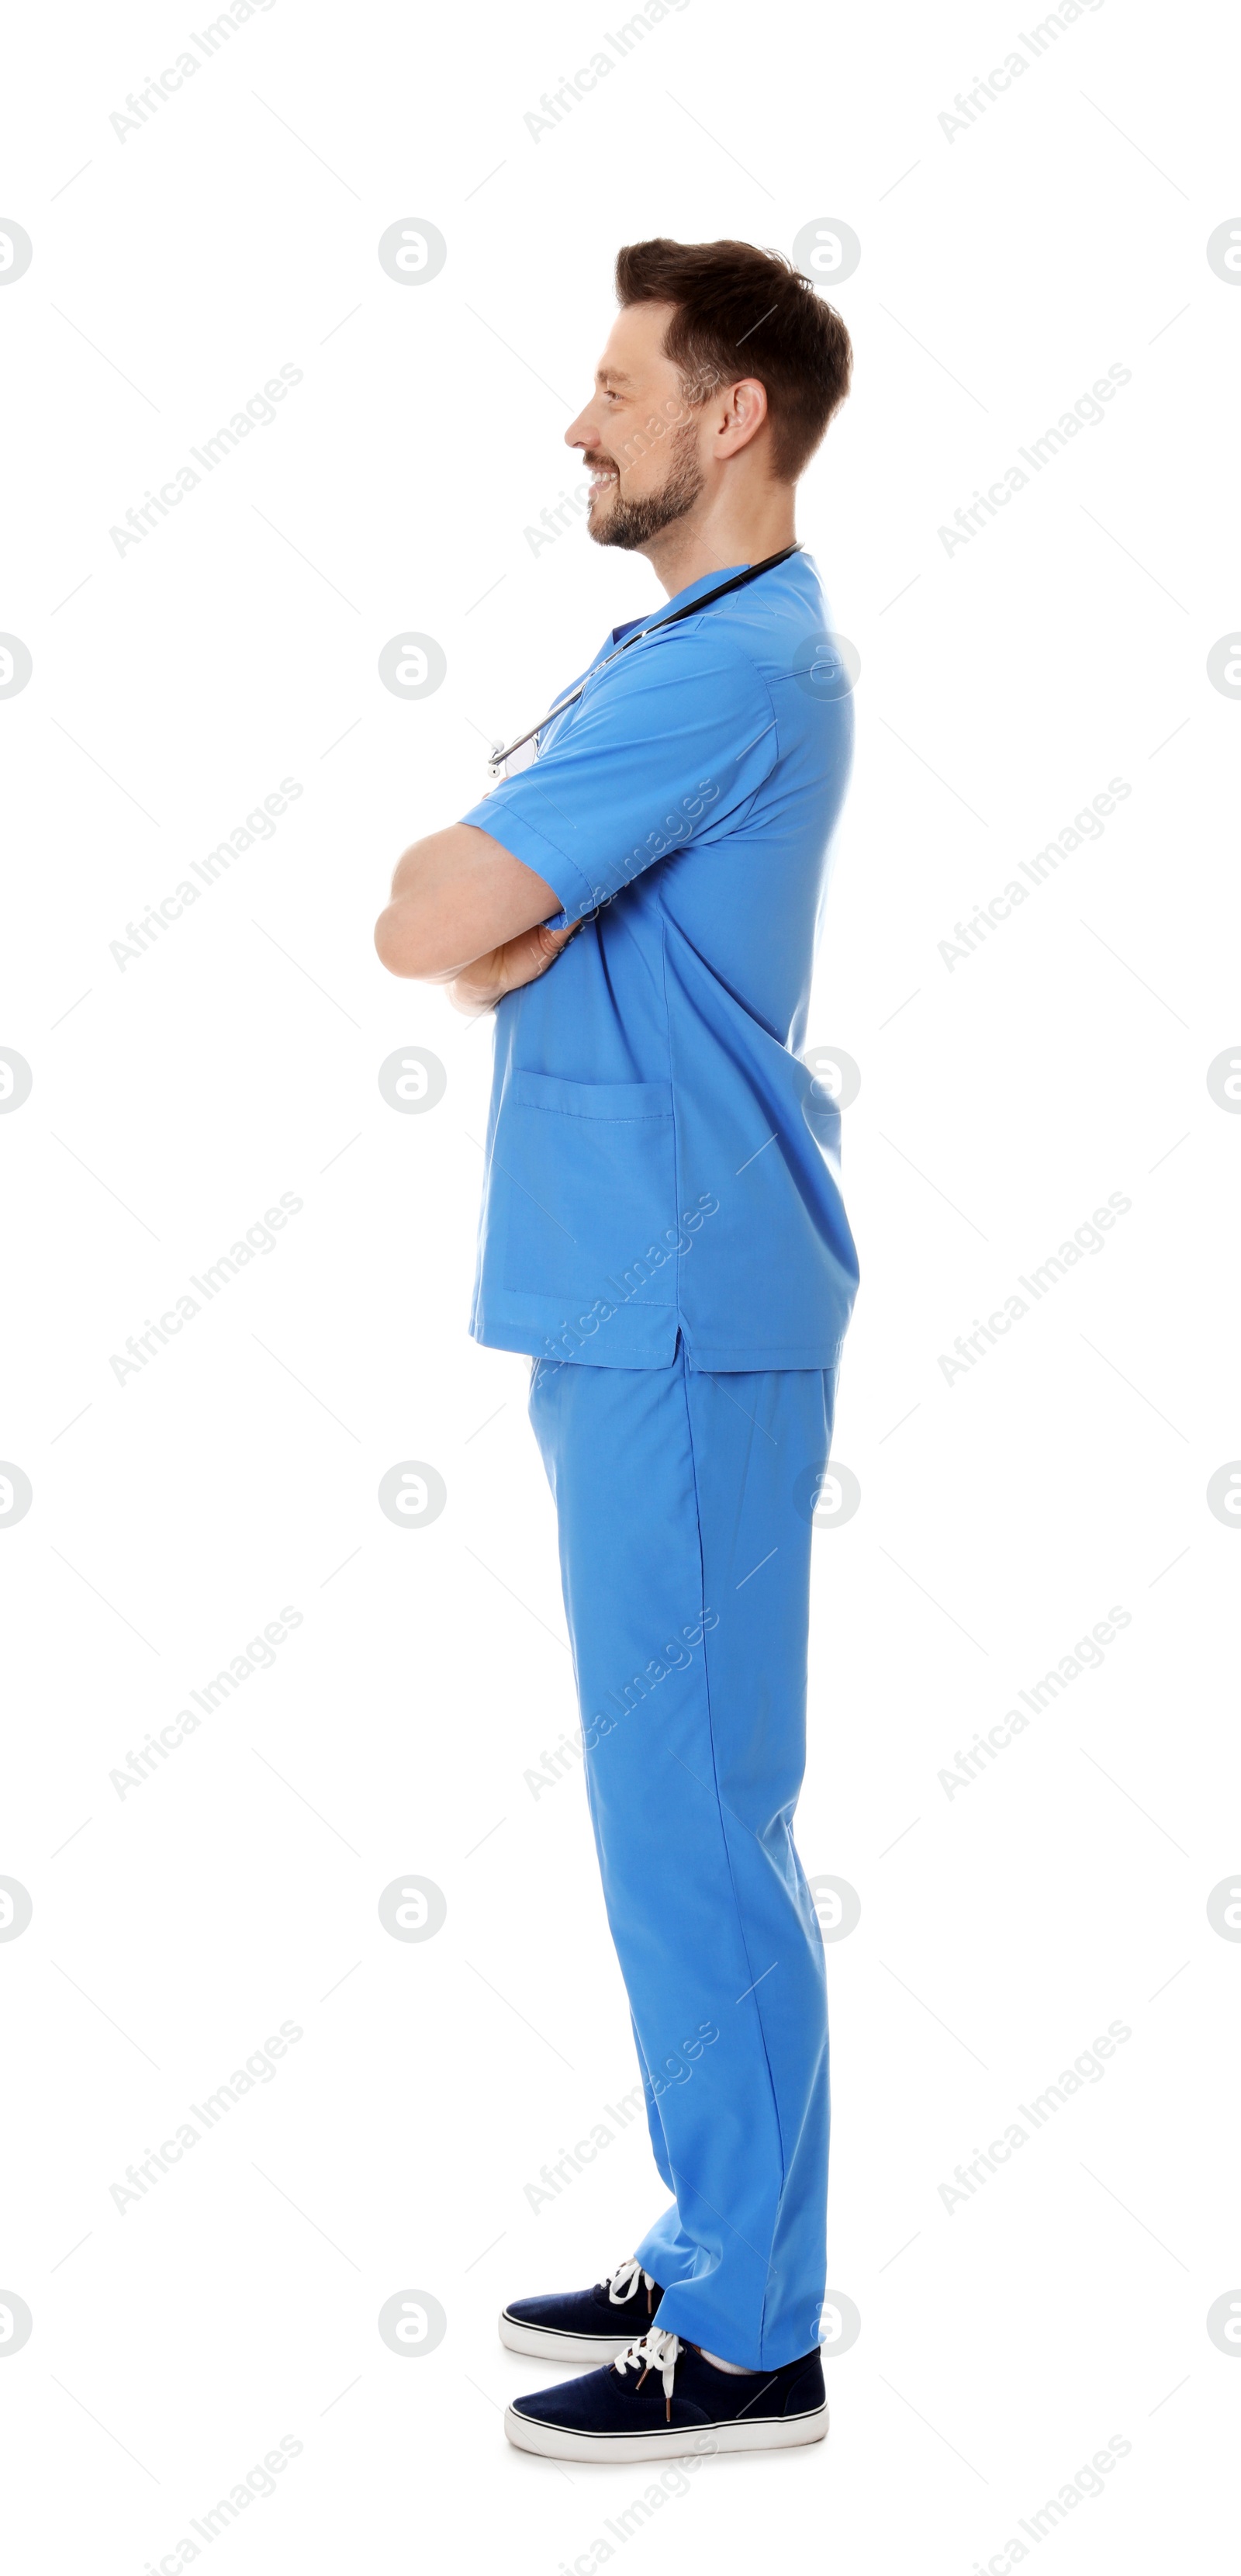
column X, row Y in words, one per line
column 658, row 1160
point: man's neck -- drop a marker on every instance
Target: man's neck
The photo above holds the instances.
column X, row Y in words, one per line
column 690, row 549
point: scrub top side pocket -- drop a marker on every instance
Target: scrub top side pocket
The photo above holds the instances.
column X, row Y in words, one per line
column 586, row 1174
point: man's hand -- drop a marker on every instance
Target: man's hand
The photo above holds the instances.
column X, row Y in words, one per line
column 518, row 961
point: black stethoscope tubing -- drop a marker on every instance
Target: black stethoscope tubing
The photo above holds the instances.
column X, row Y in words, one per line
column 738, row 582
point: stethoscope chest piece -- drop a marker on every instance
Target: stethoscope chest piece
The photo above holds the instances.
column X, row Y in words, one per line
column 502, row 763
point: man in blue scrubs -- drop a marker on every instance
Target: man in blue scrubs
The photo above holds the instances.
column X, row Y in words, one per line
column 638, row 899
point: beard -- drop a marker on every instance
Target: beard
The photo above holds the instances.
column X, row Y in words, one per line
column 615, row 521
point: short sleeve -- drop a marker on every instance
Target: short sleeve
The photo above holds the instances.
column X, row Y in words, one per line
column 663, row 751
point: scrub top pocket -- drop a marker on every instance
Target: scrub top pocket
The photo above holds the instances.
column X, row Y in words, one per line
column 593, row 1215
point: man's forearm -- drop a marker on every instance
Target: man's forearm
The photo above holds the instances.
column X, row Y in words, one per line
column 457, row 896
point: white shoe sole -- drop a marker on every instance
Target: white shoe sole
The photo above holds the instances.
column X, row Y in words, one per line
column 546, row 2345
column 556, row 2442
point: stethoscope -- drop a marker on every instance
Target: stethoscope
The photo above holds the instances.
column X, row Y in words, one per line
column 501, row 753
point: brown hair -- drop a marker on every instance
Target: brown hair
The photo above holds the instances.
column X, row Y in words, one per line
column 746, row 312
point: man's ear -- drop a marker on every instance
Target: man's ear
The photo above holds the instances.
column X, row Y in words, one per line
column 746, row 409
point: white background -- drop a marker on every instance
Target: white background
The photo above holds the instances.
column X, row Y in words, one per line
column 1002, row 1514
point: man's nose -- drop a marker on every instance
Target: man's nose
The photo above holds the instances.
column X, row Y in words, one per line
column 584, row 431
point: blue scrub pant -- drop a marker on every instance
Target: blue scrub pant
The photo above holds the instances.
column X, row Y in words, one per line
column 685, row 1538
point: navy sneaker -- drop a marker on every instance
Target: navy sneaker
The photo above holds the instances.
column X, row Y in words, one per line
column 662, row 2398
column 584, row 2325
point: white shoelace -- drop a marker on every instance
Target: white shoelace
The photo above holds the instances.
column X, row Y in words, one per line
column 624, row 2280
column 654, row 2350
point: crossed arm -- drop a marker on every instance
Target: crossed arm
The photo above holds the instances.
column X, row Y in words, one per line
column 464, row 912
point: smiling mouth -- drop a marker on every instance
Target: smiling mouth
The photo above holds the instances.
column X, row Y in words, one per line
column 602, row 479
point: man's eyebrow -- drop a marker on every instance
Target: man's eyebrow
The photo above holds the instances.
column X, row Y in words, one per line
column 611, row 376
